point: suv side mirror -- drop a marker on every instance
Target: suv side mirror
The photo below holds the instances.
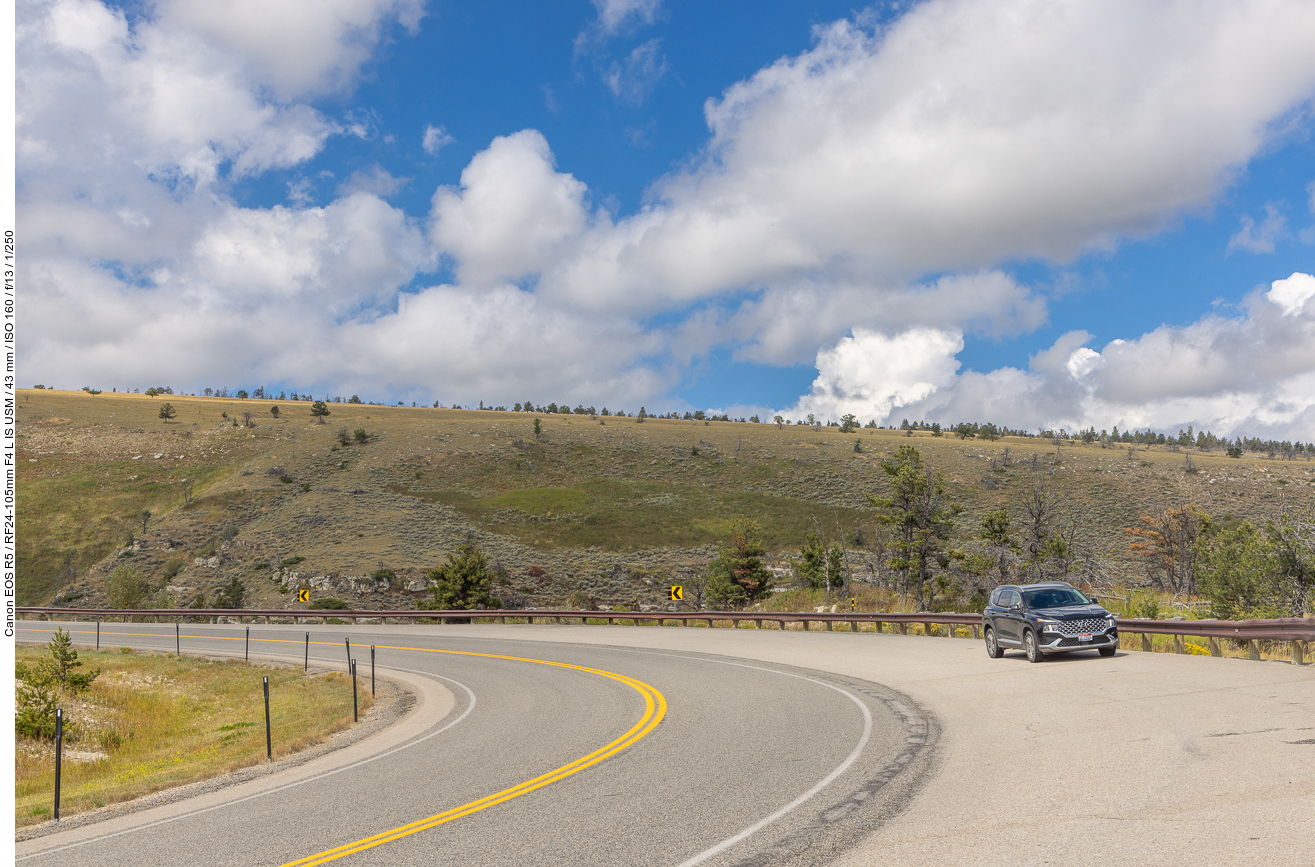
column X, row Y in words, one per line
column 1094, row 600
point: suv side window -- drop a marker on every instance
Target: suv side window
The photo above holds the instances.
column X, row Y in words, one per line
column 997, row 598
column 1010, row 598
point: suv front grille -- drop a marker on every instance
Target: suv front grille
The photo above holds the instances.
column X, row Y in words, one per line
column 1079, row 627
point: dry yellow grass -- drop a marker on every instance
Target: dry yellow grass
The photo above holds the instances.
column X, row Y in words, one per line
column 152, row 722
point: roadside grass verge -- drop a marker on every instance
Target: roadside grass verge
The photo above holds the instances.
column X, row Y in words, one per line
column 152, row 722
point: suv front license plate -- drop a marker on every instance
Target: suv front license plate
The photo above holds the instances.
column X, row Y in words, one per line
column 1086, row 636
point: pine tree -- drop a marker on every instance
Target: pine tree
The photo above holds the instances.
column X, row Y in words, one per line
column 463, row 583
column 738, row 576
column 922, row 513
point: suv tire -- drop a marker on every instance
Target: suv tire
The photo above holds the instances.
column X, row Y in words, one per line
column 1031, row 648
column 993, row 649
column 1107, row 651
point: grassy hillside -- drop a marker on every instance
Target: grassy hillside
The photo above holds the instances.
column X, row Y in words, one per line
column 605, row 511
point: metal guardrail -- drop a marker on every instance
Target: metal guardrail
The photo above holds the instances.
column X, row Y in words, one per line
column 1296, row 630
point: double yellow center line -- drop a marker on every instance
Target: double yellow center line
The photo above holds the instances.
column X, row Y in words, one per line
column 655, row 708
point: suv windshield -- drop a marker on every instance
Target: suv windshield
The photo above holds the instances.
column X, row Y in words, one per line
column 1054, row 597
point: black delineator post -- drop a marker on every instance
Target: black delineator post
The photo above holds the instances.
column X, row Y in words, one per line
column 269, row 741
column 247, row 654
column 306, row 665
column 59, row 753
column 98, row 635
column 178, row 642
column 372, row 671
column 349, row 651
column 356, row 716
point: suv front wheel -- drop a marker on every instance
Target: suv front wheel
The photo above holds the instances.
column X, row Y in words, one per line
column 993, row 649
column 1031, row 648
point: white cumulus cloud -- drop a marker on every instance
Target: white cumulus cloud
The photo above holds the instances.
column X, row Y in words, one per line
column 514, row 213
column 870, row 373
column 1254, row 374
column 297, row 47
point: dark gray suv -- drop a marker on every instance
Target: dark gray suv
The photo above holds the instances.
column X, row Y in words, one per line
column 1041, row 619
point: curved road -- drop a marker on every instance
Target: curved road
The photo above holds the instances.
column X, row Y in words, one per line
column 552, row 753
column 1139, row 759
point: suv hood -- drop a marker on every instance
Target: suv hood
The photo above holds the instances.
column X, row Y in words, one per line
column 1073, row 612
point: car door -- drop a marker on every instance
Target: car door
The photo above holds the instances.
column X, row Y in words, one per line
column 1009, row 624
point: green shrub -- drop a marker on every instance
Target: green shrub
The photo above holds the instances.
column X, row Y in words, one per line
column 35, row 716
column 126, row 587
column 329, row 603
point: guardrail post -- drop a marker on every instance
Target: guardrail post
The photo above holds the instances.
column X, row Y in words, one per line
column 828, row 626
column 1215, row 649
column 976, row 631
column 1298, row 653
column 269, row 741
column 903, row 629
column 1146, row 642
column 59, row 754
column 1178, row 644
column 1253, row 647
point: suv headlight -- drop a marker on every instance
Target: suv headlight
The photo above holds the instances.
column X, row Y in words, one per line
column 1048, row 625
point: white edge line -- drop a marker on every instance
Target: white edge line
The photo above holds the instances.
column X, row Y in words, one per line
column 284, row 787
column 825, row 781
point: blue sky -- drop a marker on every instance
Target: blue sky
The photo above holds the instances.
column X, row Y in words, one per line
column 1036, row 214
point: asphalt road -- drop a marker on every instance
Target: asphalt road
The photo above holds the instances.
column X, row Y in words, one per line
column 635, row 756
column 1141, row 759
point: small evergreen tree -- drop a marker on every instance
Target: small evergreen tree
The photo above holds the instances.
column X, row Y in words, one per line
column 167, row 412
column 738, row 575
column 319, row 410
column 463, row 583
column 231, row 595
column 63, row 659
